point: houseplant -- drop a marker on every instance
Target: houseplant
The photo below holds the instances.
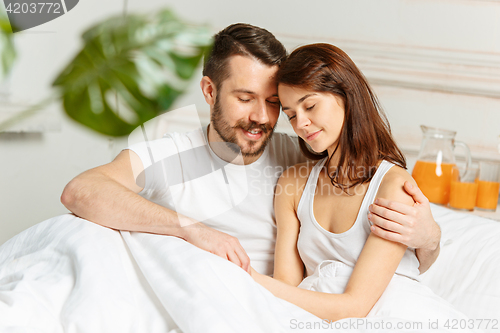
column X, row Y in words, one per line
column 129, row 70
column 7, row 50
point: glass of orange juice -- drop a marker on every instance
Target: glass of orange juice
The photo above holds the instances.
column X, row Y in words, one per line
column 463, row 188
column 489, row 185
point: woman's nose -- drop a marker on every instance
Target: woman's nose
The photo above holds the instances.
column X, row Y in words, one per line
column 302, row 120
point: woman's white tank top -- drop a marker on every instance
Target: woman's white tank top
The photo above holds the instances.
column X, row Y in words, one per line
column 316, row 244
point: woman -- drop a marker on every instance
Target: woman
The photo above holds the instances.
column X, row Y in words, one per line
column 322, row 208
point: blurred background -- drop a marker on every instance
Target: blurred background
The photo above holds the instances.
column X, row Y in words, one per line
column 431, row 62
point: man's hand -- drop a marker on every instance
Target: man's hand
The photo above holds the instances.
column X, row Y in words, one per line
column 218, row 243
column 413, row 226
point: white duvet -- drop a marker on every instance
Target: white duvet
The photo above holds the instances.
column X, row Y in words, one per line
column 70, row 275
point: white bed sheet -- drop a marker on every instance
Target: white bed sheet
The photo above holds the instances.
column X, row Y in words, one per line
column 467, row 271
column 70, row 275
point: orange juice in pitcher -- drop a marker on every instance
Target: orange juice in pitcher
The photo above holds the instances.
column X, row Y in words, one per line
column 432, row 172
column 434, row 180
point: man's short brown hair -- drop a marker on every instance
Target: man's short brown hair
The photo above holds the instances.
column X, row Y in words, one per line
column 241, row 39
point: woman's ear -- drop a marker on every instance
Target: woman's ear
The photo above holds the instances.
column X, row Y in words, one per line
column 208, row 89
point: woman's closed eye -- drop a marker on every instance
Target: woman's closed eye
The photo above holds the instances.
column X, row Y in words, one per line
column 291, row 117
column 310, row 107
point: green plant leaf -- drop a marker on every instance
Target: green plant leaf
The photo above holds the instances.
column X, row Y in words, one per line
column 7, row 49
column 130, row 70
column 185, row 66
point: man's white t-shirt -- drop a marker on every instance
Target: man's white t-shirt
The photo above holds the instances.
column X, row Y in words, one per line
column 183, row 174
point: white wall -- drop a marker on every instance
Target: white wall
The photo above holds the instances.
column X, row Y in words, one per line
column 433, row 62
column 35, row 167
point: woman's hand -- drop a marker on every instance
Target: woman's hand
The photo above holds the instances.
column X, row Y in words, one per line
column 253, row 272
column 257, row 277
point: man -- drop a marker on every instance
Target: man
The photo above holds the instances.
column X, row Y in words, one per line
column 147, row 187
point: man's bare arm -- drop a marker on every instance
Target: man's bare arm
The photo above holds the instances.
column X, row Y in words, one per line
column 108, row 195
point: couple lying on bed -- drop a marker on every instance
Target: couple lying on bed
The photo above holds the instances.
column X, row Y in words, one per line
column 353, row 252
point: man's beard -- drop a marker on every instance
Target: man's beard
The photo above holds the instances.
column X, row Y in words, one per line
column 228, row 133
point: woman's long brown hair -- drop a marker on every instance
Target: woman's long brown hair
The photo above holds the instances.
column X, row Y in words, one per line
column 365, row 138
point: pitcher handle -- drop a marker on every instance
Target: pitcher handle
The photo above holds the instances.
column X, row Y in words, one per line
column 468, row 160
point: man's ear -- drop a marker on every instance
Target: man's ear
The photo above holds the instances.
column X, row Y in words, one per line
column 208, row 90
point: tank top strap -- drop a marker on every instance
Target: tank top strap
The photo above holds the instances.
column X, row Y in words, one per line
column 310, row 188
column 375, row 183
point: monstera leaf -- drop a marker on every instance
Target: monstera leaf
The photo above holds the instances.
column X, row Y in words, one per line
column 7, row 50
column 129, row 70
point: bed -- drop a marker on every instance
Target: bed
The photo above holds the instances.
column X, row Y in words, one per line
column 70, row 275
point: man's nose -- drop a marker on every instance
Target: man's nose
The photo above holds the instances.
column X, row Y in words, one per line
column 260, row 113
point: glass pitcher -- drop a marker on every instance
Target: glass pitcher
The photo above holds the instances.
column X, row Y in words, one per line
column 436, row 158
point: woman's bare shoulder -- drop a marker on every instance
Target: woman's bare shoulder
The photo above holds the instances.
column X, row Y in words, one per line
column 299, row 171
column 293, row 180
column 392, row 184
column 397, row 173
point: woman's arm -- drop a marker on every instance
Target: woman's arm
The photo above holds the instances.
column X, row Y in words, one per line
column 288, row 266
column 373, row 271
column 413, row 225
